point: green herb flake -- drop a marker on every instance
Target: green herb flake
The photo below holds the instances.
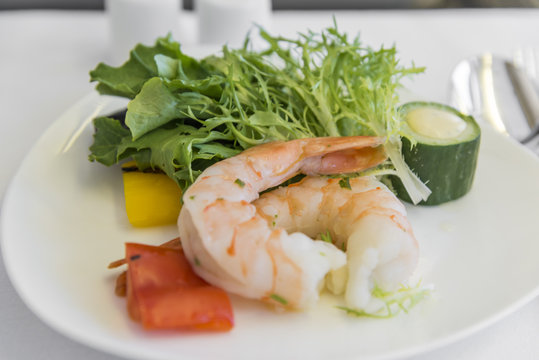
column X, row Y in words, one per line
column 240, row 183
column 192, row 197
column 403, row 299
column 345, row 183
column 279, row 299
column 197, row 262
column 326, row 237
column 360, row 313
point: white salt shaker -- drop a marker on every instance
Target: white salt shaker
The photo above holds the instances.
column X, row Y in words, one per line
column 139, row 21
column 228, row 21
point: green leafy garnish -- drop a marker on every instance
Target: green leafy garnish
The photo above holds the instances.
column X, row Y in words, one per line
column 279, row 299
column 187, row 114
column 326, row 237
column 345, row 183
column 404, row 299
column 239, row 182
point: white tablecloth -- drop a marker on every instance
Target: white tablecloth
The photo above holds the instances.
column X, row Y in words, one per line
column 45, row 57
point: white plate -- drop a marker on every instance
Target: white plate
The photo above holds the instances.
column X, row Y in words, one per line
column 63, row 221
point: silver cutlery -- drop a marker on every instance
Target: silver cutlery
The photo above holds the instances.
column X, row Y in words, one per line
column 499, row 92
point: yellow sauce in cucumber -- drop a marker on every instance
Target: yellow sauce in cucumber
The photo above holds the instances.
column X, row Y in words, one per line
column 435, row 123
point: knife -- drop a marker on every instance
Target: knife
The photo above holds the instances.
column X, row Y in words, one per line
column 528, row 97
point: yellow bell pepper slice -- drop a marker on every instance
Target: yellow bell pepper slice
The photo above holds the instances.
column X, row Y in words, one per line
column 151, row 199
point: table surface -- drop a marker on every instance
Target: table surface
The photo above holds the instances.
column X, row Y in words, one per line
column 45, row 57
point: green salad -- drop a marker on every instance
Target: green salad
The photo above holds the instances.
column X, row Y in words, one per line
column 186, row 114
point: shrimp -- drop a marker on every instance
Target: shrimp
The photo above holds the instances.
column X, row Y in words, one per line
column 231, row 244
column 365, row 218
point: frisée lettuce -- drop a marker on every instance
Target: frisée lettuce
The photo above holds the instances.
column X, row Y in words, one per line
column 186, row 114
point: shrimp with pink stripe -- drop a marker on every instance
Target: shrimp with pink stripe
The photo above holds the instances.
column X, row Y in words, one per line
column 236, row 243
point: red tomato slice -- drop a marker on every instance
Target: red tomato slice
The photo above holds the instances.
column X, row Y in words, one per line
column 163, row 292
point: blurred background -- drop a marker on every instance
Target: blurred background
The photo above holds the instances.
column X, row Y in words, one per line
column 290, row 4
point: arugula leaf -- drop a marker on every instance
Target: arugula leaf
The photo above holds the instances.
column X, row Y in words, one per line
column 154, row 106
column 108, row 136
column 128, row 79
column 181, row 151
column 201, row 82
column 158, row 103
